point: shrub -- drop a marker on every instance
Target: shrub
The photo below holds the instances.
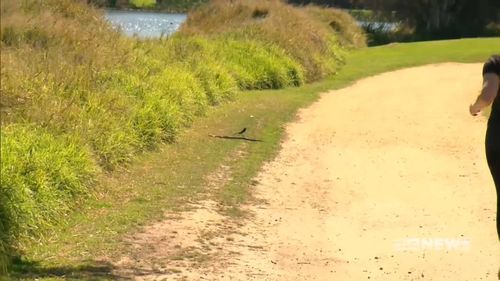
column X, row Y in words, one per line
column 179, row 5
column 143, row 3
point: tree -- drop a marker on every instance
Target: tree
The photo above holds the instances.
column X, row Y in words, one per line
column 440, row 18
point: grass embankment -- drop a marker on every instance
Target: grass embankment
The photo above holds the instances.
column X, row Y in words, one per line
column 304, row 33
column 80, row 101
column 177, row 174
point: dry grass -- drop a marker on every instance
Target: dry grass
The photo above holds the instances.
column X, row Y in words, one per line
column 348, row 32
column 304, row 37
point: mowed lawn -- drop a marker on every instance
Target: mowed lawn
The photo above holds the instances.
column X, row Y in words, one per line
column 177, row 174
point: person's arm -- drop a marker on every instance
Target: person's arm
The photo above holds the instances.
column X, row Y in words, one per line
column 488, row 94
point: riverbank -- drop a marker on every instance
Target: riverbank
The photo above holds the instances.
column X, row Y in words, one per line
column 198, row 166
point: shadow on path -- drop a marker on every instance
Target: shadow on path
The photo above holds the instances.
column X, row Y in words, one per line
column 235, row 138
column 32, row 270
column 88, row 271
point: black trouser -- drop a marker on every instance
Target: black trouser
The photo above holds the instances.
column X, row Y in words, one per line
column 493, row 157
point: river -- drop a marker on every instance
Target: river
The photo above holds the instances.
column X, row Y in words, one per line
column 155, row 25
column 145, row 24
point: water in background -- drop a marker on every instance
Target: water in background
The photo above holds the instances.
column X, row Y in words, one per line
column 379, row 26
column 155, row 25
column 145, row 24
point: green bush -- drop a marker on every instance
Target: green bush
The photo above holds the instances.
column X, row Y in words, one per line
column 42, row 178
column 142, row 3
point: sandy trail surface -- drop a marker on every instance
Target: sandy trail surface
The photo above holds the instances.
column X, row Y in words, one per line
column 383, row 180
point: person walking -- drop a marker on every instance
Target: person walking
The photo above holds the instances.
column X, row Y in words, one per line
column 490, row 95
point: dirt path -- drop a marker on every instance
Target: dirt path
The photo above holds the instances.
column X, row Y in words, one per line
column 383, row 180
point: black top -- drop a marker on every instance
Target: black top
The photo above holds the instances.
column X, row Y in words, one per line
column 492, row 65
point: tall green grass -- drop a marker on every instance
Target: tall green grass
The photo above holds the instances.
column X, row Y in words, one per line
column 78, row 99
column 40, row 174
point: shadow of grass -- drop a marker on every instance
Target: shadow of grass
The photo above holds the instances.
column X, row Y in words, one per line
column 33, row 270
column 235, row 138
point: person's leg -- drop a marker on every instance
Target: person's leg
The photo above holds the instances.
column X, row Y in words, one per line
column 493, row 157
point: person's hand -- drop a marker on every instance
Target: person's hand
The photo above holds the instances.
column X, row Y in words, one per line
column 474, row 110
